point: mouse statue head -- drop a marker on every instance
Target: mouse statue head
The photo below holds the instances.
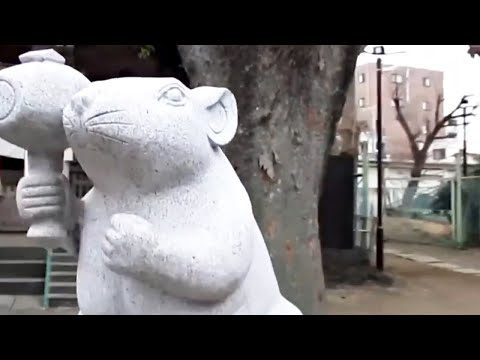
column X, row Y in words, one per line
column 148, row 132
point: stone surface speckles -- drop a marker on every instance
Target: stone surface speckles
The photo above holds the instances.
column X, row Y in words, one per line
column 32, row 97
column 168, row 227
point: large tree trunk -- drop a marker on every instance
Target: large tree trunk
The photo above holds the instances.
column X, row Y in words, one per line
column 289, row 99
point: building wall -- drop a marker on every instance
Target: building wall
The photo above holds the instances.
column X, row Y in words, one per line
column 347, row 130
column 419, row 97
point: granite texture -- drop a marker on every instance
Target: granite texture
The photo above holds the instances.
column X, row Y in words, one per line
column 32, row 98
column 168, row 227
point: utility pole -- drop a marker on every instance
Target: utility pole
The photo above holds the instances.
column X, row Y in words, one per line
column 465, row 161
column 380, row 234
column 379, row 51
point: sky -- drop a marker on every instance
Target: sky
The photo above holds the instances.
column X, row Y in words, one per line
column 461, row 75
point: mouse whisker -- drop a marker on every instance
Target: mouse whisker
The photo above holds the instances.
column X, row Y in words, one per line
column 109, row 123
column 108, row 137
column 101, row 114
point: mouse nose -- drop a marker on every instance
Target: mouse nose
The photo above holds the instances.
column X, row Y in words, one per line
column 77, row 109
column 82, row 102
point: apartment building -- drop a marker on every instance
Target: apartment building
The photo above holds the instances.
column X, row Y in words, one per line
column 418, row 91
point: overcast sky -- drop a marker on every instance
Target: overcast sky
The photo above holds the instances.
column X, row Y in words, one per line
column 461, row 75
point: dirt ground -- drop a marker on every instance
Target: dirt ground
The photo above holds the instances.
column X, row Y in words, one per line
column 418, row 289
column 416, row 231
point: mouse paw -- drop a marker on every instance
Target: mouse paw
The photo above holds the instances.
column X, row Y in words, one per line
column 127, row 242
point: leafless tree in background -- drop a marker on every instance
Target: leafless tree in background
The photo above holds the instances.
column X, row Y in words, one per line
column 422, row 135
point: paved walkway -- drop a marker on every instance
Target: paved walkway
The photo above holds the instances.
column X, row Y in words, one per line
column 461, row 261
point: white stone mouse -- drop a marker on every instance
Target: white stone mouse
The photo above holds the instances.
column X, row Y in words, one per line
column 168, row 227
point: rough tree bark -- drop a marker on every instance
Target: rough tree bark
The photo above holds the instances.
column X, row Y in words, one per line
column 289, row 99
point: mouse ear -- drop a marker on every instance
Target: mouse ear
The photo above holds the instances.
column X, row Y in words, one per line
column 222, row 118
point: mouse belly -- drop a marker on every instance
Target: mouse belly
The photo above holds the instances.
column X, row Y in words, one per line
column 98, row 290
column 101, row 291
column 140, row 298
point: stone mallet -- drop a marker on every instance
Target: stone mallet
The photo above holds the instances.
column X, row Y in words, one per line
column 32, row 97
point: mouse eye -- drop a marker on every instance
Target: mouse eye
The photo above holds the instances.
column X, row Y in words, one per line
column 173, row 96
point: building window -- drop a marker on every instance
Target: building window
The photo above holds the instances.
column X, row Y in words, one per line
column 439, row 154
column 426, row 106
column 361, row 78
column 427, row 82
column 361, row 102
column 397, row 78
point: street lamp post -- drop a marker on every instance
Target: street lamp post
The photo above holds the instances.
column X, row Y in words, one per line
column 379, row 51
column 380, row 235
column 465, row 161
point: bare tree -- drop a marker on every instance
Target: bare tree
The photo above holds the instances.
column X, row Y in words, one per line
column 420, row 138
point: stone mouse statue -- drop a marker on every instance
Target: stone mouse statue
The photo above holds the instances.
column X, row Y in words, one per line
column 168, row 227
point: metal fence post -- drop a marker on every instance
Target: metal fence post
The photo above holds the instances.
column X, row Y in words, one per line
column 458, row 203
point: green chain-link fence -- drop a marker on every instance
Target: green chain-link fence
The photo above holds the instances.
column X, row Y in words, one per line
column 436, row 210
column 413, row 213
column 428, row 210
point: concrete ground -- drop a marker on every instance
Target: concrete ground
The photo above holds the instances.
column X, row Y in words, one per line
column 468, row 258
column 419, row 289
column 29, row 305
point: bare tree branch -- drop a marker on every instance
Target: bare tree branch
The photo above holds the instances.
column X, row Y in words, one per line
column 442, row 122
column 440, row 100
column 431, row 132
column 417, row 134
